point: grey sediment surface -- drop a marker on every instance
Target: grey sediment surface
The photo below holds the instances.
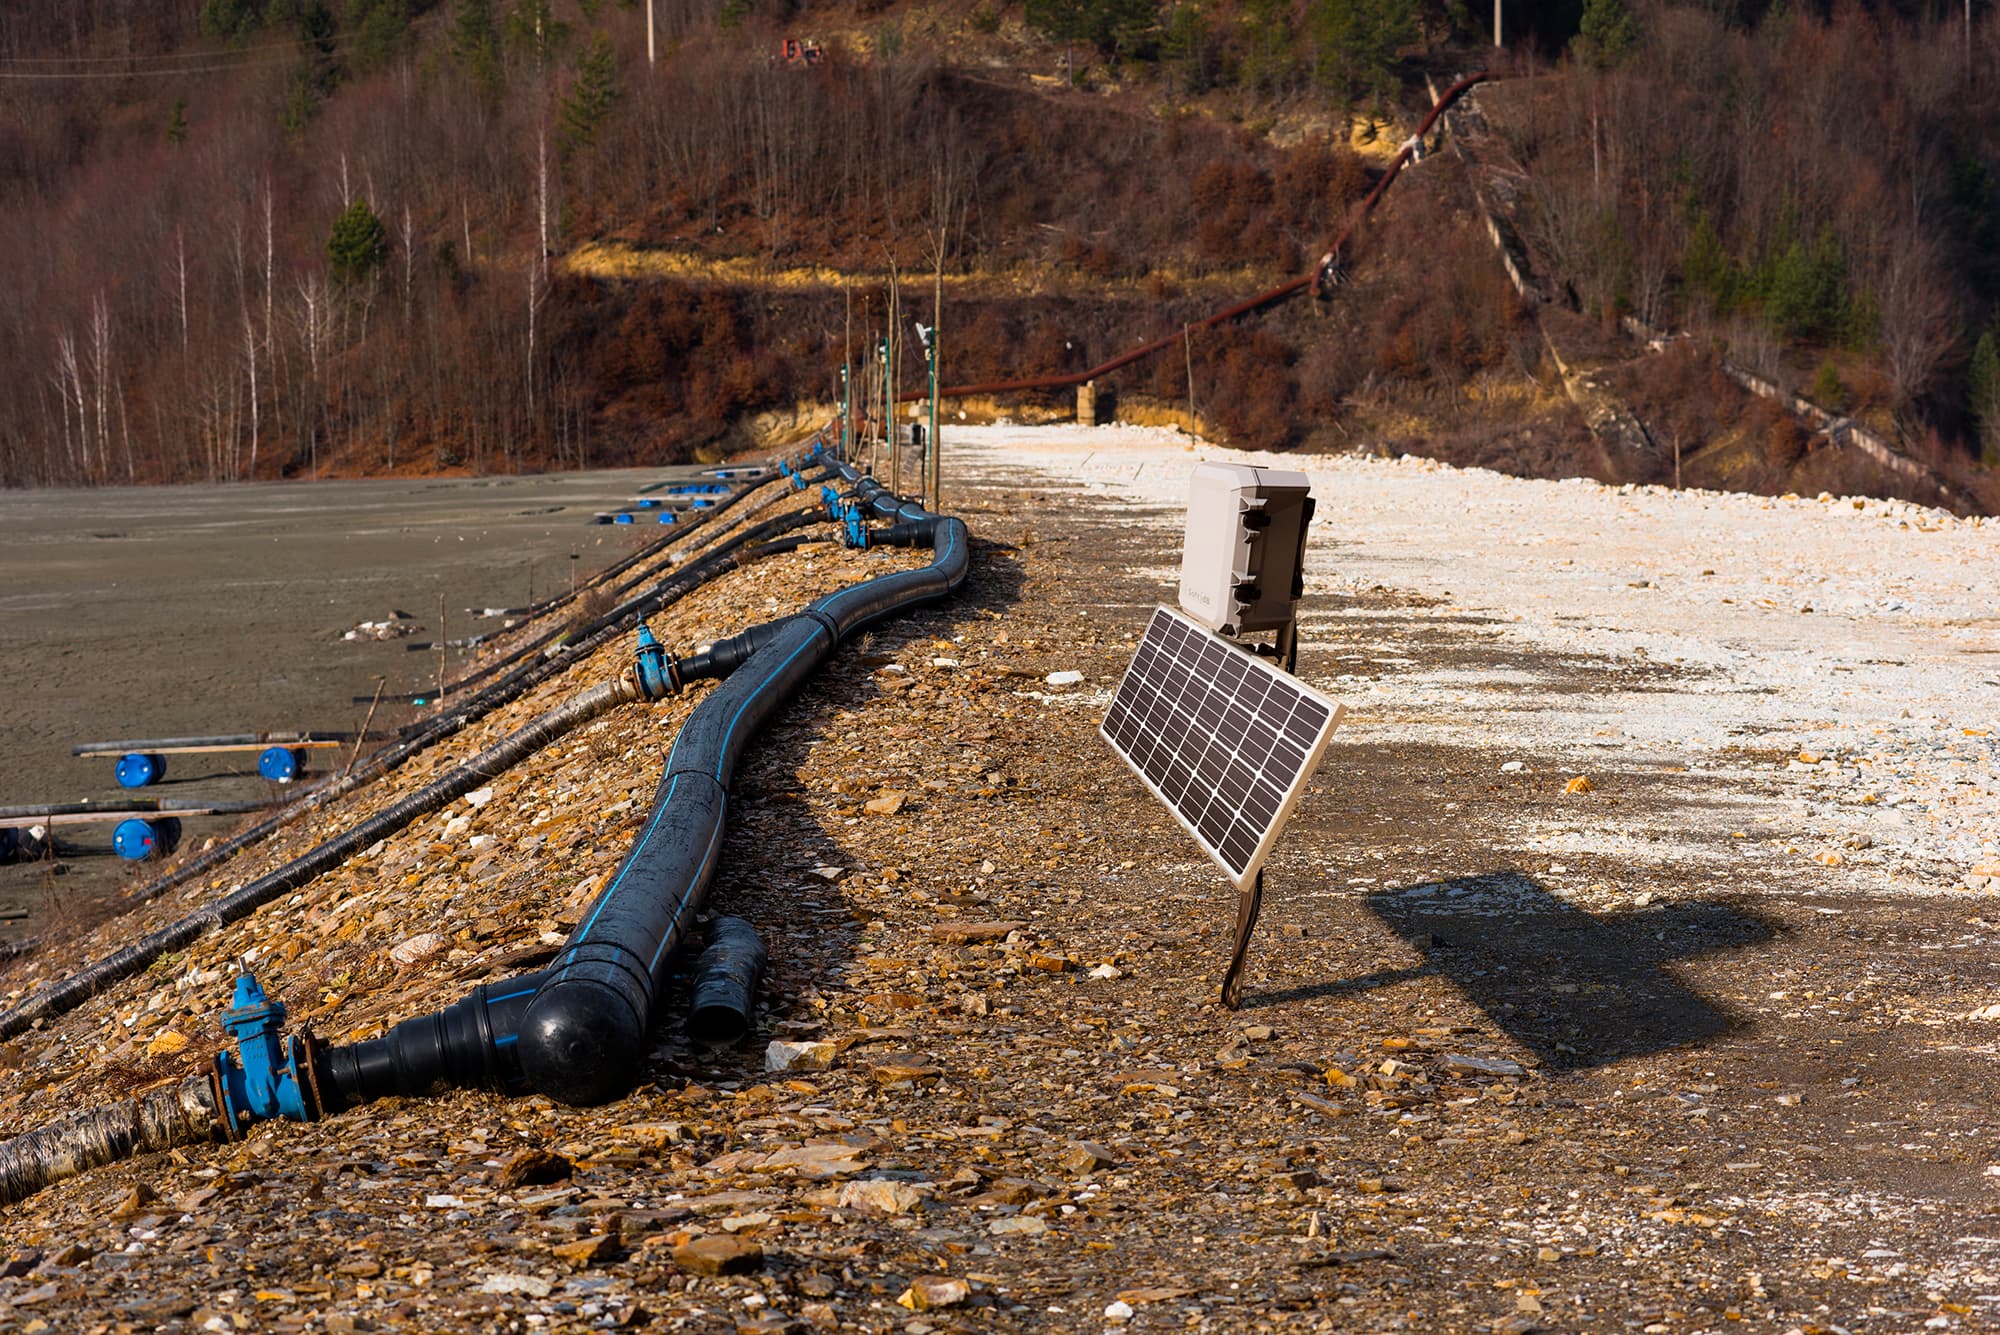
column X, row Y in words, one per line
column 166, row 611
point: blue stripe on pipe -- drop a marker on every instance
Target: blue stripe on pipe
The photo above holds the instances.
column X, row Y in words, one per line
column 714, row 842
column 524, row 992
column 503, row 1042
column 738, row 716
column 604, row 900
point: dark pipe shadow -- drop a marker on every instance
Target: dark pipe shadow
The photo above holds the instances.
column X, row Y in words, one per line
column 1577, row 989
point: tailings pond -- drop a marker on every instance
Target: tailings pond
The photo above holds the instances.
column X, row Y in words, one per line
column 187, row 611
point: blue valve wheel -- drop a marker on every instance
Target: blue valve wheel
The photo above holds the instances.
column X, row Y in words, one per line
column 280, row 764
column 137, row 770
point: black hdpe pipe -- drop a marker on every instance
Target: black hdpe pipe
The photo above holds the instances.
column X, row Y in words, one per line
column 71, row 992
column 441, row 725
column 725, row 983
column 576, row 1031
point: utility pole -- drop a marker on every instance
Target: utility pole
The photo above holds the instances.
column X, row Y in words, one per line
column 1187, row 350
column 891, row 347
column 936, row 492
column 1496, row 21
column 649, row 32
column 846, row 374
column 844, row 392
column 883, row 384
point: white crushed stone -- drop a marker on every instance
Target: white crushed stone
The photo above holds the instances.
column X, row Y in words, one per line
column 1863, row 632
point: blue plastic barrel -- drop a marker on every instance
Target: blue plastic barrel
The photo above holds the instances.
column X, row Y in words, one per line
column 134, row 840
column 623, row 517
column 280, row 764
column 667, row 517
column 136, row 770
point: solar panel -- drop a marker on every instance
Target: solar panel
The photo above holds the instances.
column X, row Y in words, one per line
column 1225, row 740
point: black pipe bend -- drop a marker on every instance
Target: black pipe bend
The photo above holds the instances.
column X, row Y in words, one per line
column 582, row 1036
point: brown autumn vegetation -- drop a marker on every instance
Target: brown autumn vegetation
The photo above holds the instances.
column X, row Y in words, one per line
column 182, row 295
column 1811, row 187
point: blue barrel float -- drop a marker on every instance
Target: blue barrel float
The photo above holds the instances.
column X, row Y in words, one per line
column 280, row 764
column 137, row 769
column 136, row 840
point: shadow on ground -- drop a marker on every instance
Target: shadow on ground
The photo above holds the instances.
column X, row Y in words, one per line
column 1579, row 990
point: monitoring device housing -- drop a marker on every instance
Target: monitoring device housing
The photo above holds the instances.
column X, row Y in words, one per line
column 1243, row 565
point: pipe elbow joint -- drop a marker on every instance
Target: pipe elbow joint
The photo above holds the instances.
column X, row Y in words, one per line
column 584, row 1034
column 581, row 1042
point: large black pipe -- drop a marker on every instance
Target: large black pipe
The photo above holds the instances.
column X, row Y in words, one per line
column 469, row 1044
column 725, row 982
column 581, row 1037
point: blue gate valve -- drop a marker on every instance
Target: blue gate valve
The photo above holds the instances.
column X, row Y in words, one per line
column 854, row 525
column 269, row 1075
column 831, row 500
column 657, row 677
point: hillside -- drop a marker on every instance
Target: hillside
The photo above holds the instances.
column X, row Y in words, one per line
column 401, row 236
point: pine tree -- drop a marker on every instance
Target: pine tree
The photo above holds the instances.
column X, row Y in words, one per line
column 1983, row 382
column 177, row 122
column 358, row 245
column 591, row 97
column 475, row 45
column 302, row 99
column 1608, row 32
column 1705, row 265
column 380, row 30
column 1358, row 43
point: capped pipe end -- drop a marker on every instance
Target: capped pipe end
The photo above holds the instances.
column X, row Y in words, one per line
column 580, row 1043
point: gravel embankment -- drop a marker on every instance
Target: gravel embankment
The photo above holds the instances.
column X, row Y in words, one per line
column 1688, row 1051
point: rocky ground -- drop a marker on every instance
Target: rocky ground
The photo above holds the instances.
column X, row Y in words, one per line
column 1702, row 1045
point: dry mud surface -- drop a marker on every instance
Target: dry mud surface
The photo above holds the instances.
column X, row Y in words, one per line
column 1703, row 1048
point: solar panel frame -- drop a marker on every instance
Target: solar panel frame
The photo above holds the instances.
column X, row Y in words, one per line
column 1199, row 721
